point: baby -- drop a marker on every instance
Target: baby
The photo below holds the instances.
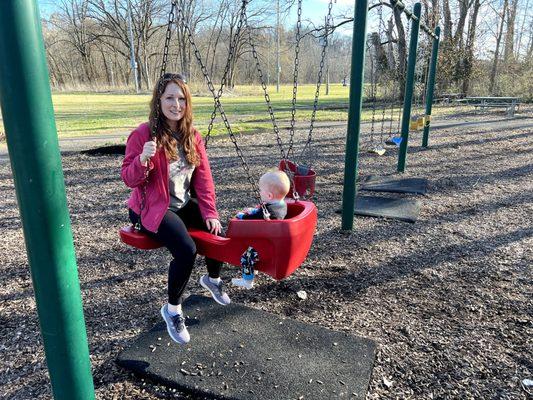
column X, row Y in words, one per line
column 273, row 187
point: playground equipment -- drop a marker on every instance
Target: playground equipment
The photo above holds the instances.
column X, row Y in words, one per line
column 303, row 177
column 282, row 245
column 356, row 92
column 382, row 60
column 418, row 118
column 34, row 153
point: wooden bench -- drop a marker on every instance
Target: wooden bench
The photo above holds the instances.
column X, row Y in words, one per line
column 511, row 104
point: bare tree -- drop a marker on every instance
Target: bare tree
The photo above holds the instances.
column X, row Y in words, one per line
column 469, row 46
column 508, row 52
column 111, row 17
column 499, row 35
column 74, row 21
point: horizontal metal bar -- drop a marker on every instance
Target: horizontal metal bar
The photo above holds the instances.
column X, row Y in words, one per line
column 410, row 15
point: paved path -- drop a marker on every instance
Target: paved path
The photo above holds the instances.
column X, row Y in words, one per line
column 76, row 144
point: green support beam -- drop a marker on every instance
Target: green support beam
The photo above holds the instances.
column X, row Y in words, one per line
column 430, row 90
column 398, row 4
column 354, row 113
column 409, row 86
column 31, row 136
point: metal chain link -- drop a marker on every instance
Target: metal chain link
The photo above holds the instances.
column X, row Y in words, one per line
column 381, row 27
column 391, row 118
column 252, row 181
column 287, row 170
column 373, row 94
column 265, row 91
column 396, row 75
column 164, row 62
column 319, row 82
column 407, row 37
column 382, row 132
column 137, row 226
column 295, row 77
column 232, row 47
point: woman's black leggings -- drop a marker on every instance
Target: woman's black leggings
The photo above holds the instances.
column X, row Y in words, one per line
column 172, row 233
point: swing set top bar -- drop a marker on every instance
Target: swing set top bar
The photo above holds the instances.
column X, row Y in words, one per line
column 410, row 15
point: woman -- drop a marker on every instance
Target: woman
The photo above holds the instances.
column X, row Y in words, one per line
column 176, row 163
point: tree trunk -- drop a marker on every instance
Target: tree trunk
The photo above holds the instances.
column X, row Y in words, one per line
column 508, row 52
column 107, row 73
column 530, row 45
column 463, row 13
column 469, row 47
column 390, row 47
column 499, row 35
column 447, row 29
column 402, row 48
column 521, row 32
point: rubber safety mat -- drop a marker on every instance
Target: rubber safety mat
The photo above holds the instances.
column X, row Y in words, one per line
column 395, row 185
column 237, row 352
column 386, row 207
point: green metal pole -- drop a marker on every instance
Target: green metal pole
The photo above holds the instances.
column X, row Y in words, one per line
column 354, row 113
column 31, row 135
column 409, row 86
column 431, row 86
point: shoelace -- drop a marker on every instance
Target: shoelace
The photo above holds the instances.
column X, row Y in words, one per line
column 178, row 321
column 220, row 287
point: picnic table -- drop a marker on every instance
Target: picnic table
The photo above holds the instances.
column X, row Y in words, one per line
column 447, row 98
column 510, row 103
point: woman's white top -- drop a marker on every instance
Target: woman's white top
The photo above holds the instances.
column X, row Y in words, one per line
column 179, row 177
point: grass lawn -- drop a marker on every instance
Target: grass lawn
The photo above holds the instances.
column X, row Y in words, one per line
column 89, row 114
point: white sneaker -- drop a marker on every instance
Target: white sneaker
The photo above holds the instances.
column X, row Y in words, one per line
column 245, row 283
column 175, row 326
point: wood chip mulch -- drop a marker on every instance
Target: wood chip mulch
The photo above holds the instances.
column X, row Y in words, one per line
column 448, row 299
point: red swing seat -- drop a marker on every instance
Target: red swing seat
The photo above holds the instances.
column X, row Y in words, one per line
column 304, row 184
column 282, row 245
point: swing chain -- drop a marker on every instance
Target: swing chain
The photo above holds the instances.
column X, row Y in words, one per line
column 373, row 89
column 164, row 62
column 295, row 77
column 231, row 53
column 319, row 80
column 267, row 96
column 252, row 182
column 138, row 225
column 287, row 170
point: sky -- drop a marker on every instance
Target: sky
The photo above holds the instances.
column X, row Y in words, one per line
column 313, row 10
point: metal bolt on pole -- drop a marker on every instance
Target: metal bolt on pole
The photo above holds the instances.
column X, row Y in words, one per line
column 31, row 135
column 431, row 86
column 354, row 113
column 409, row 86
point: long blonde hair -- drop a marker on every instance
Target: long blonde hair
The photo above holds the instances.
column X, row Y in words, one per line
column 184, row 137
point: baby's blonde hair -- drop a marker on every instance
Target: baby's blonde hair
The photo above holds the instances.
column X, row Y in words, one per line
column 277, row 182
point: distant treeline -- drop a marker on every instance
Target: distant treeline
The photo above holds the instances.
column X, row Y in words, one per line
column 89, row 44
